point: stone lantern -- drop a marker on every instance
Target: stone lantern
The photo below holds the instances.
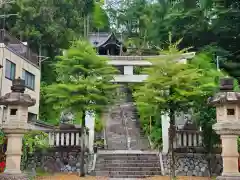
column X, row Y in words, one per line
column 15, row 126
column 227, row 103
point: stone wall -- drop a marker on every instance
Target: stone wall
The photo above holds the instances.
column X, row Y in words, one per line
column 56, row 160
column 193, row 164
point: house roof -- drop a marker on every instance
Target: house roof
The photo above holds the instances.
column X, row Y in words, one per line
column 18, row 47
column 42, row 124
column 103, row 38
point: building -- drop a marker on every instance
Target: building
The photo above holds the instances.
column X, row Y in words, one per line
column 107, row 43
column 17, row 60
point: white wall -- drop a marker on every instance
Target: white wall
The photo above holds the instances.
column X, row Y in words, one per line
column 5, row 84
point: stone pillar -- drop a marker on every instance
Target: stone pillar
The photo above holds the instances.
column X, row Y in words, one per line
column 128, row 70
column 227, row 103
column 15, row 126
column 90, row 124
column 165, row 138
column 230, row 154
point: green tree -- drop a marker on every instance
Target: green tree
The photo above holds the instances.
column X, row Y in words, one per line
column 99, row 18
column 83, row 83
column 33, row 141
column 202, row 23
column 51, row 26
column 175, row 87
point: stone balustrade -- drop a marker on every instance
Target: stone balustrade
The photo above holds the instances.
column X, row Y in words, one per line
column 188, row 138
column 63, row 138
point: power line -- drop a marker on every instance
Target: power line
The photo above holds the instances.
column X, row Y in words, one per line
column 218, row 58
column 230, row 54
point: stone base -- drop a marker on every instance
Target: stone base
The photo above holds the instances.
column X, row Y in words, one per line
column 228, row 178
column 5, row 176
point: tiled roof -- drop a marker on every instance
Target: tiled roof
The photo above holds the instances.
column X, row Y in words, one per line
column 18, row 47
column 97, row 39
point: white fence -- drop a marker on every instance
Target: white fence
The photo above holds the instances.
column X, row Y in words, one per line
column 188, row 138
column 65, row 138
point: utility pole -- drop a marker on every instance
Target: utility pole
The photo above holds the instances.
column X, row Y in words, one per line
column 3, row 2
column 217, row 62
column 4, row 16
column 41, row 59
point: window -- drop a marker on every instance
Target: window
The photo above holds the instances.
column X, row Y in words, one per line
column 29, row 79
column 13, row 112
column 230, row 112
column 10, row 70
column 32, row 117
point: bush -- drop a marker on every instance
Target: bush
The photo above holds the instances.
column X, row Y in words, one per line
column 98, row 124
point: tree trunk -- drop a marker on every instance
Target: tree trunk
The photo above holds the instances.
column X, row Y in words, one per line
column 88, row 25
column 85, row 26
column 82, row 170
column 172, row 130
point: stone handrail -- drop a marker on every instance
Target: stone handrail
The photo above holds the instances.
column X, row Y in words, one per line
column 188, row 138
column 93, row 162
column 63, row 138
column 161, row 163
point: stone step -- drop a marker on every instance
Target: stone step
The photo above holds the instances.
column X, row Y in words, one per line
column 118, row 148
column 110, row 164
column 120, row 139
column 127, row 173
column 129, row 156
column 117, row 143
column 128, row 152
column 116, row 136
column 112, row 169
column 129, row 177
column 116, row 140
column 126, row 161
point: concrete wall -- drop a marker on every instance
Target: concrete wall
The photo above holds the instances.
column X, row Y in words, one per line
column 5, row 84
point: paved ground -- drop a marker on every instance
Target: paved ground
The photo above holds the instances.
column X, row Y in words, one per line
column 74, row 177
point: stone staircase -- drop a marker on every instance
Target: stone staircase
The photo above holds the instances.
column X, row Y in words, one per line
column 127, row 164
column 127, row 154
column 115, row 131
column 138, row 141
